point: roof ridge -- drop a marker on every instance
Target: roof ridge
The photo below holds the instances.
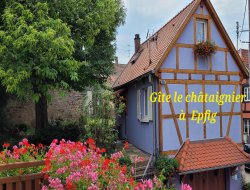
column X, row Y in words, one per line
column 170, row 20
column 235, row 144
column 183, row 156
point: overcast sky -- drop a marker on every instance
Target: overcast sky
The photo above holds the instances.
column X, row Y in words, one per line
column 150, row 15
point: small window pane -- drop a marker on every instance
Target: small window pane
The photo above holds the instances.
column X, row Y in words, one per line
column 201, row 30
column 246, row 126
column 247, row 94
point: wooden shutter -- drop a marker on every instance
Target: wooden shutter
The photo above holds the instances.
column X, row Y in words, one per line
column 139, row 104
column 150, row 105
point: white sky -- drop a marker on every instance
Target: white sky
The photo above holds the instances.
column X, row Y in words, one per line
column 144, row 15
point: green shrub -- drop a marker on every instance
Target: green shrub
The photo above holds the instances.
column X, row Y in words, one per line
column 166, row 165
column 99, row 117
column 125, row 160
column 246, row 186
column 68, row 130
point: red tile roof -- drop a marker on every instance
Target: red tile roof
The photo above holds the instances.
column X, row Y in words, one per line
column 152, row 51
column 210, row 154
column 118, row 68
column 244, row 56
column 165, row 37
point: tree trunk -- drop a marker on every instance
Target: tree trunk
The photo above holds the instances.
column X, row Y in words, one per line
column 41, row 114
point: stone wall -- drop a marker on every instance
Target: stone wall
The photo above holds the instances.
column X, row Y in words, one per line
column 67, row 107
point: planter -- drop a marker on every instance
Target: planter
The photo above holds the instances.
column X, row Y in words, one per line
column 205, row 48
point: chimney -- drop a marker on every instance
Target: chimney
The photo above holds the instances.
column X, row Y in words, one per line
column 116, row 60
column 137, row 42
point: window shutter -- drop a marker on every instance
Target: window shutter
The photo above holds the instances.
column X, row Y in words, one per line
column 150, row 105
column 139, row 104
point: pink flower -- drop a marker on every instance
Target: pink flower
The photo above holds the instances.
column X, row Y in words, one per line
column 56, row 184
column 44, row 187
column 116, row 155
column 138, row 159
column 185, row 187
column 132, row 170
column 93, row 187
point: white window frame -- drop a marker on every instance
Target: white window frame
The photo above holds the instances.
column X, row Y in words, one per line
column 145, row 92
column 145, row 102
column 247, row 126
column 205, row 29
column 247, row 94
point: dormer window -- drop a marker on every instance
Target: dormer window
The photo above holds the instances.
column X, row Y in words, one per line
column 201, row 30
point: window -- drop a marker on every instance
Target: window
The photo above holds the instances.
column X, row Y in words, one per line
column 201, row 30
column 144, row 106
column 247, row 94
column 145, row 90
column 246, row 126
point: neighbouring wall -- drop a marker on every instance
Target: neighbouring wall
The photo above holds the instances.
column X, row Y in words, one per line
column 67, row 107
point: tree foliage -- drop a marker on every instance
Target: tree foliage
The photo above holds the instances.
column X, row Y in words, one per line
column 93, row 24
column 36, row 51
column 56, row 44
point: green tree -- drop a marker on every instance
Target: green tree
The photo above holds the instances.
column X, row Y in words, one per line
column 36, row 54
column 39, row 55
column 93, row 24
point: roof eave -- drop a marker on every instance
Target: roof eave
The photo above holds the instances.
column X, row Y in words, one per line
column 132, row 81
column 213, row 168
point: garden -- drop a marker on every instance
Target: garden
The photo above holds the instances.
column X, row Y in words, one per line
column 76, row 165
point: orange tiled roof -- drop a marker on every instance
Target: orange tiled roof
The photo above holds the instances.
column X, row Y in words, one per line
column 244, row 56
column 165, row 37
column 118, row 68
column 210, row 154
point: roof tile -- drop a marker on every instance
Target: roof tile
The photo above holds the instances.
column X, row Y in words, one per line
column 165, row 37
column 210, row 154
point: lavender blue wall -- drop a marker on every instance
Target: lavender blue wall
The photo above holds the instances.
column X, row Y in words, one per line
column 140, row 134
column 186, row 61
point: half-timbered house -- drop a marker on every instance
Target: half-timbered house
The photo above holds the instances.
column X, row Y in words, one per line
column 209, row 153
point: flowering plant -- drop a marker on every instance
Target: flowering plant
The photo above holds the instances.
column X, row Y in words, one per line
column 75, row 165
column 185, row 187
column 24, row 152
column 205, row 48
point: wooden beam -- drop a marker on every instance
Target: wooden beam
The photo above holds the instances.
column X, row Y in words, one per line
column 170, row 116
column 209, row 28
column 231, row 113
column 194, row 30
column 208, row 82
column 160, row 118
column 187, row 122
column 19, row 165
column 242, row 123
column 204, row 110
column 200, row 16
column 169, row 152
column 176, row 37
column 210, row 63
column 221, row 127
column 202, row 9
column 175, row 119
column 187, row 71
column 177, row 58
column 226, row 38
column 195, row 62
column 181, row 45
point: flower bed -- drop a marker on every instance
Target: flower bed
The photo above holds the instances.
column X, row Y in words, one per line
column 72, row 165
column 76, row 165
column 24, row 152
